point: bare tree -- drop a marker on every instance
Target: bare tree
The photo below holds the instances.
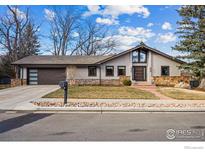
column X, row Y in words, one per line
column 62, row 27
column 13, row 30
column 94, row 39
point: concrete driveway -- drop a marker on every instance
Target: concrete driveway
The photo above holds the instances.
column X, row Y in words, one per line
column 19, row 97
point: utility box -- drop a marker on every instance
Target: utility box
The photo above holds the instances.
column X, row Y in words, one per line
column 194, row 83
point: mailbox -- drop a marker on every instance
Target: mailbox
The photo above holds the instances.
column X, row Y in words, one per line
column 64, row 85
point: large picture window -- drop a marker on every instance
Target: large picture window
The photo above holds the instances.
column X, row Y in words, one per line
column 165, row 70
column 121, row 70
column 109, row 70
column 92, row 71
column 139, row 56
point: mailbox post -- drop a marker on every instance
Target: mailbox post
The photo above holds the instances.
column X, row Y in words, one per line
column 64, row 85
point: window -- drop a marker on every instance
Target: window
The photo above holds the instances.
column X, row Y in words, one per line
column 135, row 57
column 139, row 56
column 92, row 71
column 121, row 70
column 142, row 56
column 109, row 70
column 165, row 70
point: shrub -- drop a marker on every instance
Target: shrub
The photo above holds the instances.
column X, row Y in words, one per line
column 127, row 82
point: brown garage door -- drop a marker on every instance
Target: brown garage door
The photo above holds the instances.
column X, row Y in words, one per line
column 51, row 76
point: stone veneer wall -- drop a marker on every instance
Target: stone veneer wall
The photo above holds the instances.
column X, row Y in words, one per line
column 18, row 82
column 170, row 80
column 94, row 82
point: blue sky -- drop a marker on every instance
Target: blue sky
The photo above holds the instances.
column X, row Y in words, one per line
column 155, row 25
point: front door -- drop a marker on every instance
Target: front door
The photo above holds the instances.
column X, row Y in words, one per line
column 140, row 73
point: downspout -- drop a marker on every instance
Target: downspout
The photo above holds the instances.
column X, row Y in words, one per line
column 22, row 75
column 100, row 74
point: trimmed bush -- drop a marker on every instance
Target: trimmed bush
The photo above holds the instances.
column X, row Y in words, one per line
column 127, row 82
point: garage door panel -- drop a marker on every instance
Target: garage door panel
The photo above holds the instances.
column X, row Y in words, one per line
column 51, row 75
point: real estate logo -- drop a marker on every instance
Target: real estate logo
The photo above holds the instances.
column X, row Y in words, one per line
column 181, row 134
column 170, row 134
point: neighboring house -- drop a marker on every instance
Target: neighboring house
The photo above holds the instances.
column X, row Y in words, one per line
column 140, row 64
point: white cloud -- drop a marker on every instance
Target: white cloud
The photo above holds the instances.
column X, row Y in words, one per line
column 106, row 21
column 75, row 34
column 139, row 32
column 129, row 37
column 125, row 42
column 165, row 38
column 49, row 14
column 166, row 26
column 112, row 12
column 92, row 9
column 20, row 14
column 150, row 24
column 116, row 10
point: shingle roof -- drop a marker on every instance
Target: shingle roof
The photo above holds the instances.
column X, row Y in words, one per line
column 83, row 60
column 49, row 59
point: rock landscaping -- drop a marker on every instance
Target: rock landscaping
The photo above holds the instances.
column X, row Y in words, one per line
column 175, row 104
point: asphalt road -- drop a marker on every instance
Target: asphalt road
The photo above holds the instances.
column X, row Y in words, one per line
column 187, row 126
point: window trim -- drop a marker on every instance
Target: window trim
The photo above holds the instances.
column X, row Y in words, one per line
column 95, row 71
column 106, row 70
column 168, row 70
column 138, row 53
column 118, row 70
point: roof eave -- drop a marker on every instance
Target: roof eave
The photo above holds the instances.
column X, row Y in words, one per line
column 142, row 46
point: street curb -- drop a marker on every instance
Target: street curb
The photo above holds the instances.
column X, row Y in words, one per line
column 99, row 110
column 112, row 109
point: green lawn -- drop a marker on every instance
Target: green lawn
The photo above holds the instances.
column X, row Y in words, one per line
column 182, row 94
column 94, row 92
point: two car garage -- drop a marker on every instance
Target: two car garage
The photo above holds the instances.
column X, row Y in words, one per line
column 45, row 76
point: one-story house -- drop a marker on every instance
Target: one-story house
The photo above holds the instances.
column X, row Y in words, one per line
column 140, row 64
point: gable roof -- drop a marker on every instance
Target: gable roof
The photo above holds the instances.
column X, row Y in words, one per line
column 85, row 60
column 142, row 45
column 60, row 60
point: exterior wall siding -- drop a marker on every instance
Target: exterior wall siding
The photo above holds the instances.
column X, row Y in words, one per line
column 120, row 61
column 159, row 61
column 79, row 74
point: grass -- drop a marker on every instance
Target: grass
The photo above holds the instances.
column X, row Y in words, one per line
column 182, row 94
column 103, row 92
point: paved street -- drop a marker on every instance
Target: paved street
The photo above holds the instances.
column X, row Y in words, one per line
column 19, row 97
column 98, row 127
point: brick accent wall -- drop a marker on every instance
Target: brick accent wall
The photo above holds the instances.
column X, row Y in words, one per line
column 18, row 82
column 170, row 80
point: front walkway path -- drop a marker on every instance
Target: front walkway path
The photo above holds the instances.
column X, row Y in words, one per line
column 153, row 89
